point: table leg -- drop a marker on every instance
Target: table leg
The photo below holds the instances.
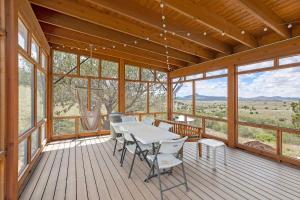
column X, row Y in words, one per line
column 197, row 151
column 225, row 156
column 214, row 159
column 207, row 151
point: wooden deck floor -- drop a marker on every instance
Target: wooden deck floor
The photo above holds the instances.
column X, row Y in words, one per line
column 86, row 169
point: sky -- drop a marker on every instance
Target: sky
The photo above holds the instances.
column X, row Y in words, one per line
column 284, row 82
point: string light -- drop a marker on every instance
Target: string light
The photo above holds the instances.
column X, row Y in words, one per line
column 223, row 33
column 242, row 32
column 188, row 34
column 290, row 25
column 147, row 38
column 103, row 48
column 204, row 33
column 173, row 33
column 124, row 45
column 265, row 29
column 135, row 42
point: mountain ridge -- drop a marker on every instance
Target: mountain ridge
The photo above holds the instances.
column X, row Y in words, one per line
column 223, row 98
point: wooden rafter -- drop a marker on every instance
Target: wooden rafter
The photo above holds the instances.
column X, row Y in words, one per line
column 71, row 23
column 212, row 20
column 152, row 18
column 61, row 32
column 64, row 41
column 87, row 13
column 265, row 15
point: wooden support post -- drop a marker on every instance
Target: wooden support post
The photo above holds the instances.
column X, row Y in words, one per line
column 194, row 98
column 122, row 86
column 232, row 107
column 12, row 77
column 169, row 98
column 279, row 144
column 49, row 101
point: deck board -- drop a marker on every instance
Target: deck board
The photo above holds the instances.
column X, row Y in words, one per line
column 86, row 169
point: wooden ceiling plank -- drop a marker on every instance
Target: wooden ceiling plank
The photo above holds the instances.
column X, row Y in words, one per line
column 258, row 9
column 65, row 21
column 87, row 13
column 152, row 18
column 100, row 43
column 67, row 43
column 212, row 20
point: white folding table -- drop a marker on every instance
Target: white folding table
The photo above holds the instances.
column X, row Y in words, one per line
column 146, row 134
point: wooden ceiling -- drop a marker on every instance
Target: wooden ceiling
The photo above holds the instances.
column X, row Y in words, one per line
column 204, row 29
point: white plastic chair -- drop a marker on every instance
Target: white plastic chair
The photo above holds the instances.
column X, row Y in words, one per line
column 165, row 126
column 128, row 118
column 120, row 137
column 166, row 157
column 148, row 121
column 134, row 147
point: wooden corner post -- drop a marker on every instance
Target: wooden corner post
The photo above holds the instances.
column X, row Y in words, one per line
column 11, row 67
column 122, row 86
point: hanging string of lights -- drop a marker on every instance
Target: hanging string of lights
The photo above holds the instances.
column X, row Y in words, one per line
column 164, row 36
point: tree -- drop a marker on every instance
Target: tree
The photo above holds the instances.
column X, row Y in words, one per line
column 296, row 114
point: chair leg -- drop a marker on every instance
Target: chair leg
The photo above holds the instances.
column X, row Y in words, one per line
column 184, row 176
column 115, row 147
column 225, row 156
column 132, row 163
column 159, row 182
column 123, row 157
column 123, row 149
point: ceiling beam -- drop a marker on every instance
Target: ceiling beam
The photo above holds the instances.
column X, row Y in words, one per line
column 66, row 43
column 152, row 18
column 65, row 21
column 258, row 9
column 102, row 43
column 87, row 13
column 204, row 16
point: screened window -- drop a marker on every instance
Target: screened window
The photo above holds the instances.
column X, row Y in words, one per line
column 182, row 97
column 43, row 134
column 147, row 74
column 260, row 65
column 44, row 61
column 136, row 97
column 217, row 72
column 41, row 95
column 161, row 76
column 109, row 69
column 63, row 62
column 89, row 67
column 34, row 142
column 271, row 97
column 289, row 60
column 22, row 156
column 103, row 94
column 63, row 126
column 26, row 88
column 196, row 76
column 132, row 72
column 66, row 96
column 211, row 97
column 158, row 97
column 22, row 35
column 35, row 50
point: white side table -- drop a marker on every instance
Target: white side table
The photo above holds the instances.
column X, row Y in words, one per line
column 214, row 144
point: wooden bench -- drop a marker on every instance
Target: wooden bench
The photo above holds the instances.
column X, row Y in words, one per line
column 194, row 133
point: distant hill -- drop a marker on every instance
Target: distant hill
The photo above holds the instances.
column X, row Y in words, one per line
column 223, row 98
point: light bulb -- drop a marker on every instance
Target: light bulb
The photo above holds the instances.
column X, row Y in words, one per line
column 242, row 32
column 188, row 34
column 290, row 25
column 204, row 33
column 265, row 29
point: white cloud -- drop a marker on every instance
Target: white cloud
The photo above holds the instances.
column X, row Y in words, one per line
column 284, row 82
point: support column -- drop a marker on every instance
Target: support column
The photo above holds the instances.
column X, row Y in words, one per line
column 11, row 65
column 169, row 98
column 232, row 107
column 122, row 86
